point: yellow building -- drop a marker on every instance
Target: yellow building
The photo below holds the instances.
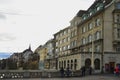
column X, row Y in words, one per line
column 42, row 51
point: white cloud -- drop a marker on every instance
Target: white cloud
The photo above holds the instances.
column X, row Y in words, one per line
column 35, row 21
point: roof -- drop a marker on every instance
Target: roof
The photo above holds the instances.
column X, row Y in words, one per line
column 92, row 7
column 81, row 12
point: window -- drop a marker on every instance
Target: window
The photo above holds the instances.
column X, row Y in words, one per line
column 83, row 29
column 68, row 46
column 68, row 38
column 56, row 43
column 60, row 64
column 97, row 22
column 56, row 50
column 118, row 49
column 60, row 49
column 64, row 48
column 75, row 32
column 90, row 49
column 71, row 64
column 90, row 38
column 60, row 41
column 64, row 40
column 83, row 41
column 68, row 63
column 64, row 64
column 97, row 64
column 97, row 35
column 117, row 18
column 64, row 32
column 75, row 64
column 118, row 33
column 57, row 36
column 61, row 34
column 68, row 30
column 99, row 6
column 90, row 26
column 97, row 48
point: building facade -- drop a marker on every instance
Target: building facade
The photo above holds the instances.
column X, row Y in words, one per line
column 99, row 35
column 62, row 46
column 94, row 38
column 50, row 61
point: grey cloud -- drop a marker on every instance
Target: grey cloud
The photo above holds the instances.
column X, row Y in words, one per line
column 2, row 16
column 6, row 37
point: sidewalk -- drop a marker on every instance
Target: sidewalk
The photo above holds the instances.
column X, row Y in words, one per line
column 88, row 77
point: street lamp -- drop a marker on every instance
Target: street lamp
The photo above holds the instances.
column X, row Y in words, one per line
column 92, row 57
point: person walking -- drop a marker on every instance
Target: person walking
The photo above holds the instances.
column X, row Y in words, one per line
column 68, row 72
column 90, row 70
column 62, row 72
column 83, row 70
column 117, row 70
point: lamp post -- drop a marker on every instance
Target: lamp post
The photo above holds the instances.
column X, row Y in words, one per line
column 92, row 57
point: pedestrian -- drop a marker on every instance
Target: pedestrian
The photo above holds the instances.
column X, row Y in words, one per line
column 119, row 68
column 116, row 70
column 62, row 72
column 68, row 72
column 90, row 70
column 83, row 70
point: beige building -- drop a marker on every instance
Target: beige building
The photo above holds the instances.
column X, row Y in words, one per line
column 94, row 38
column 99, row 35
column 62, row 46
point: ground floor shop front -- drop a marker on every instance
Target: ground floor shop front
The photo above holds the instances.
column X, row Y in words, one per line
column 106, row 62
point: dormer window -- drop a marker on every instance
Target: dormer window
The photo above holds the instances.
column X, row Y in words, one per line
column 99, row 6
column 91, row 11
column 84, row 16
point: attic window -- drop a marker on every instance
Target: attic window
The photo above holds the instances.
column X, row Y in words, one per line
column 99, row 6
column 91, row 11
column 84, row 16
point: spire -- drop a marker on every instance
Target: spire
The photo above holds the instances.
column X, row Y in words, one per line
column 29, row 46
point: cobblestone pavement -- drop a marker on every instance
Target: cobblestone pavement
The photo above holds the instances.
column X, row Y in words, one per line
column 92, row 77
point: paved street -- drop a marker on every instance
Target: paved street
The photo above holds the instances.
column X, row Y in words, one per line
column 92, row 77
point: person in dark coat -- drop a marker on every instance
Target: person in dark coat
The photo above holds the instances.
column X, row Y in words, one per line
column 68, row 72
column 62, row 72
column 83, row 70
column 90, row 70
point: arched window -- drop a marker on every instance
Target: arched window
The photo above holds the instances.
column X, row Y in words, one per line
column 97, row 64
column 87, row 62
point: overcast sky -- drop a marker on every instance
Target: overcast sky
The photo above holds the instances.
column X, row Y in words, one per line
column 24, row 22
